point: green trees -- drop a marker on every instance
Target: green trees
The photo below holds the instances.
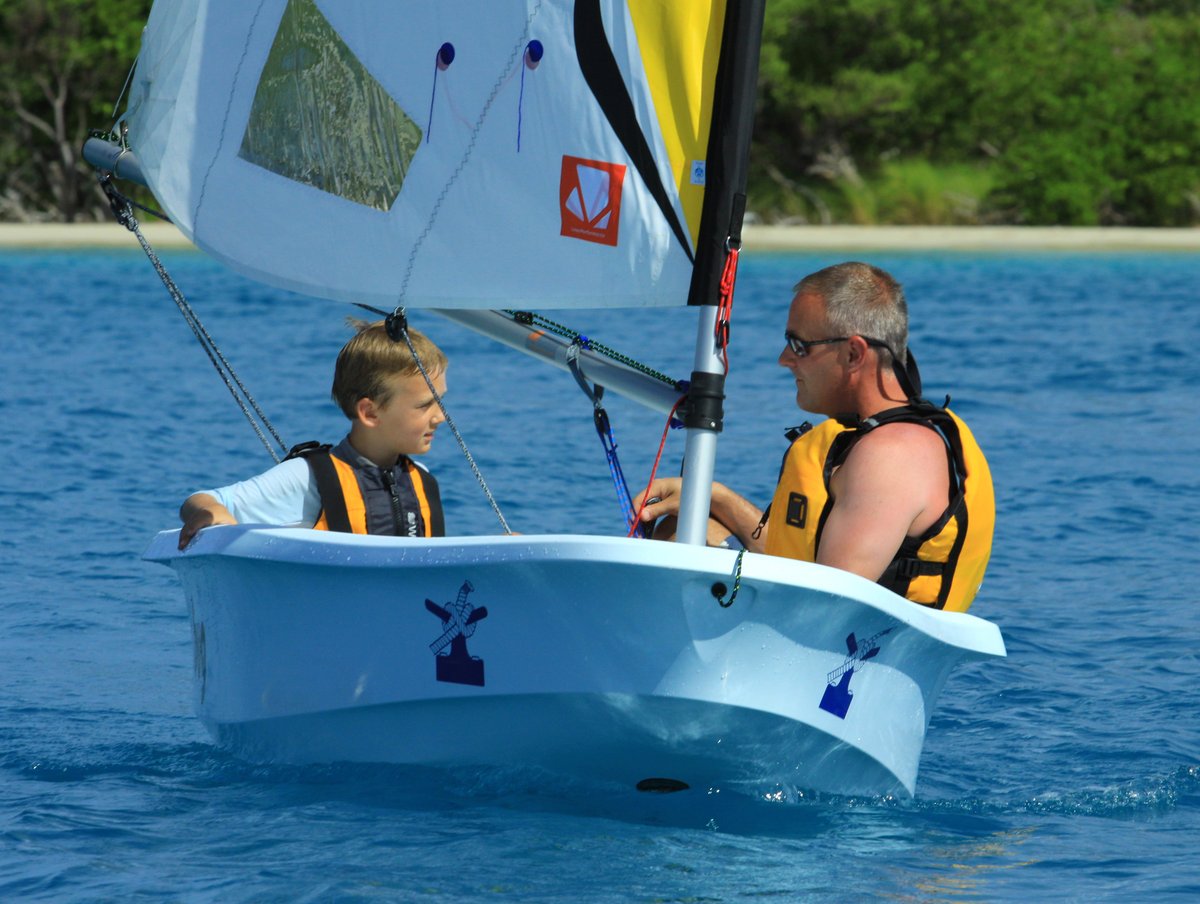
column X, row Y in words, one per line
column 62, row 64
column 874, row 111
column 1028, row 111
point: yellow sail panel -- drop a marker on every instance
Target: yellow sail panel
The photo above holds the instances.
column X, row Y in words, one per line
column 681, row 45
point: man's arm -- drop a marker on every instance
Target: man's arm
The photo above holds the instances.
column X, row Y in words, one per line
column 894, row 484
column 735, row 514
column 198, row 511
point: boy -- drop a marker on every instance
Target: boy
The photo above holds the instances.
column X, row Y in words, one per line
column 367, row 483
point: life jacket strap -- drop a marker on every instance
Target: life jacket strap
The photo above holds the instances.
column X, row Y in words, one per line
column 329, row 486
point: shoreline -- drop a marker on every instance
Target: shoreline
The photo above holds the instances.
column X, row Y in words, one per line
column 50, row 236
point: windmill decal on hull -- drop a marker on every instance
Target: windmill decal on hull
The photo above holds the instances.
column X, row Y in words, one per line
column 837, row 697
column 459, row 620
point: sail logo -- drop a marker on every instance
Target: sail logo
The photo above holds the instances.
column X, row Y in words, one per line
column 837, row 697
column 590, row 199
column 459, row 620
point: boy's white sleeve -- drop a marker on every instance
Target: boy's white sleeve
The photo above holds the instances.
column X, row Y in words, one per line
column 285, row 495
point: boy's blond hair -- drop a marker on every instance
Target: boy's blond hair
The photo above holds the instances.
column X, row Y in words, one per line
column 367, row 361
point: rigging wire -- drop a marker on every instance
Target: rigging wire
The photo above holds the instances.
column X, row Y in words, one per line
column 397, row 328
column 117, row 103
column 122, row 209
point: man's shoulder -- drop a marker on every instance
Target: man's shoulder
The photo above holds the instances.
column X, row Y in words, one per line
column 900, row 437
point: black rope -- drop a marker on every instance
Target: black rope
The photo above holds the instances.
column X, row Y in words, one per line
column 122, row 208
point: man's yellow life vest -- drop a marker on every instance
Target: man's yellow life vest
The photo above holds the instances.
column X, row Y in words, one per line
column 944, row 566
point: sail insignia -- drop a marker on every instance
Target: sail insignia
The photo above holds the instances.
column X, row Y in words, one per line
column 321, row 119
column 590, row 193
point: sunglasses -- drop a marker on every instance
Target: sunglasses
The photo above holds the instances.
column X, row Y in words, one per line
column 799, row 347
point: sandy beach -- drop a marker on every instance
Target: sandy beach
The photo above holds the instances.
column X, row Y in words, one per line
column 756, row 238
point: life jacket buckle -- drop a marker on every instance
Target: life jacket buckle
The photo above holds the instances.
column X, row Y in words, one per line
column 908, row 568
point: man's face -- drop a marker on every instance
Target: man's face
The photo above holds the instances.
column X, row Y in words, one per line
column 818, row 373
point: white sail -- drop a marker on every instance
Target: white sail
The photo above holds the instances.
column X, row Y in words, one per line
column 494, row 154
column 458, row 154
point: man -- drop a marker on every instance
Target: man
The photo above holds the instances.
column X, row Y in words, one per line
column 890, row 487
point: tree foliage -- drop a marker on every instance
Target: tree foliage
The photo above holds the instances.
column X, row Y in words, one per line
column 62, row 64
column 1072, row 111
column 1006, row 111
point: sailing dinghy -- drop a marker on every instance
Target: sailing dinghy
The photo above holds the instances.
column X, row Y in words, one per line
column 477, row 156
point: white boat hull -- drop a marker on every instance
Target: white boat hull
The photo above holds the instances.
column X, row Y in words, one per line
column 598, row 657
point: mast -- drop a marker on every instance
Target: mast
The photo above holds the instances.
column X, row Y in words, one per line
column 720, row 242
column 703, row 422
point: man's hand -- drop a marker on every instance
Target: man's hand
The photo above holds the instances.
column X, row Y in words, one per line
column 729, row 513
column 662, row 498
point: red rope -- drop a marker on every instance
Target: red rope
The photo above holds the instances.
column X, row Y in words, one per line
column 724, row 312
column 637, row 519
column 725, row 304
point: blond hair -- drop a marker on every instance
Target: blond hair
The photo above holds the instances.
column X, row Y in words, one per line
column 371, row 357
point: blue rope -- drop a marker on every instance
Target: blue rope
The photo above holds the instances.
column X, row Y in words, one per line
column 604, row 430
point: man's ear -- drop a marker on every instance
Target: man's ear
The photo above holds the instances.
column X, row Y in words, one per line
column 366, row 412
column 857, row 349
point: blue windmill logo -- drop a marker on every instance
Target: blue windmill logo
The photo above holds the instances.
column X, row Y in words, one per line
column 459, row 620
column 837, row 697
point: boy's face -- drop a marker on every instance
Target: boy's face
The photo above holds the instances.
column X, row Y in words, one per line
column 407, row 422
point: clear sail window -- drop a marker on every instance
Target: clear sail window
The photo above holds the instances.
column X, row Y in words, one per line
column 320, row 118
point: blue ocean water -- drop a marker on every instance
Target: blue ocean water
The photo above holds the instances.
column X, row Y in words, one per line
column 1069, row 771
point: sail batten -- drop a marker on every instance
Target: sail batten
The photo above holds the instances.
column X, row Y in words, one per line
column 452, row 155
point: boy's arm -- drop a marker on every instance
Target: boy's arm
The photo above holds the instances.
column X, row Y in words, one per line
column 198, row 511
column 285, row 495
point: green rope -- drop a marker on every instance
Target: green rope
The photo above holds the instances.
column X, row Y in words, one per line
column 737, row 581
column 566, row 332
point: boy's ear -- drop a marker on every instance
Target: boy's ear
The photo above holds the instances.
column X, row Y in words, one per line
column 366, row 412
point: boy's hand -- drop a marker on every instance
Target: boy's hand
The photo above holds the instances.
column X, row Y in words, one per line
column 198, row 512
